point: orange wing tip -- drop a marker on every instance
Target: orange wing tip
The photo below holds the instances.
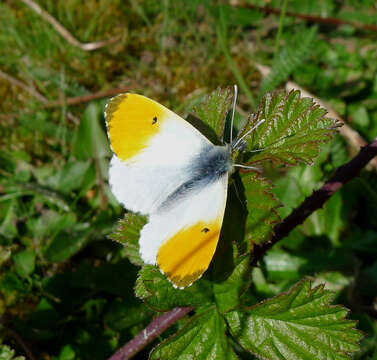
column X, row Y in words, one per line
column 132, row 120
column 186, row 255
column 181, row 282
column 113, row 106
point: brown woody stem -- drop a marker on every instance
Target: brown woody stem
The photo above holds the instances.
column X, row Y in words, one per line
column 311, row 18
column 146, row 336
column 342, row 175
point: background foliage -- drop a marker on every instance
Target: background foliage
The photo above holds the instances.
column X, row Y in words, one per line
column 67, row 291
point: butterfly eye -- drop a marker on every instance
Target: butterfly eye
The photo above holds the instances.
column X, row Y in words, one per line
column 205, row 230
column 154, row 120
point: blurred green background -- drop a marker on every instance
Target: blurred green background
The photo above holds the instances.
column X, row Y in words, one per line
column 66, row 290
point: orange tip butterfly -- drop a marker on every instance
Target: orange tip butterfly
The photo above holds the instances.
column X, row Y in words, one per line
column 166, row 169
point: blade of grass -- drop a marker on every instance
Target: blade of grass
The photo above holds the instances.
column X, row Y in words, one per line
column 221, row 36
column 280, row 29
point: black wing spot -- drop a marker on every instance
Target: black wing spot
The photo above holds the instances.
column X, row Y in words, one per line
column 205, row 230
column 154, row 120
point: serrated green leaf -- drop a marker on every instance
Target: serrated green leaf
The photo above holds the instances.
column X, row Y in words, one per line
column 299, row 324
column 203, row 338
column 292, row 131
column 334, row 280
column 6, row 353
column 228, row 292
column 128, row 233
column 159, row 294
column 262, row 208
column 214, row 109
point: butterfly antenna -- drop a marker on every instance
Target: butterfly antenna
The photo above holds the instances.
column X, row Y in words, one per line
column 247, row 167
column 233, row 111
column 247, row 133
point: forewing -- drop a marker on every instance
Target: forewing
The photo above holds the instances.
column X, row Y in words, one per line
column 181, row 238
column 152, row 147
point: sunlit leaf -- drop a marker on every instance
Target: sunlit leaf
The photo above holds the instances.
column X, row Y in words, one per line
column 299, row 324
column 24, row 262
column 128, row 233
column 159, row 294
column 6, row 353
column 214, row 109
column 203, row 338
column 292, row 130
column 228, row 292
column 262, row 208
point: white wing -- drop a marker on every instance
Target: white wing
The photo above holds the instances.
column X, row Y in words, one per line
column 153, row 148
column 181, row 237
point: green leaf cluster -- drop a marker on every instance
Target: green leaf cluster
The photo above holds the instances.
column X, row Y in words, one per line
column 66, row 290
column 283, row 326
column 295, row 325
column 287, row 129
column 6, row 353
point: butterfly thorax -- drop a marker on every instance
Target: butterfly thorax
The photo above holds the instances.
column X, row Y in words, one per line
column 212, row 162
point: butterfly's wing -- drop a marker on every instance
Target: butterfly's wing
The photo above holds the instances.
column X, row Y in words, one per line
column 181, row 237
column 151, row 173
column 152, row 150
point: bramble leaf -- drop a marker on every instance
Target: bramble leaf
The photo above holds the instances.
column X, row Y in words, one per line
column 262, row 208
column 299, row 324
column 159, row 294
column 228, row 292
column 214, row 109
column 203, row 338
column 292, row 130
column 127, row 234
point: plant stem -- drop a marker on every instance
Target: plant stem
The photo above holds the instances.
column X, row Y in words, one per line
column 308, row 17
column 343, row 175
column 65, row 33
column 146, row 336
column 221, row 36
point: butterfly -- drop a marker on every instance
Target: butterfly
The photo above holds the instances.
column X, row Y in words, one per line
column 164, row 168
